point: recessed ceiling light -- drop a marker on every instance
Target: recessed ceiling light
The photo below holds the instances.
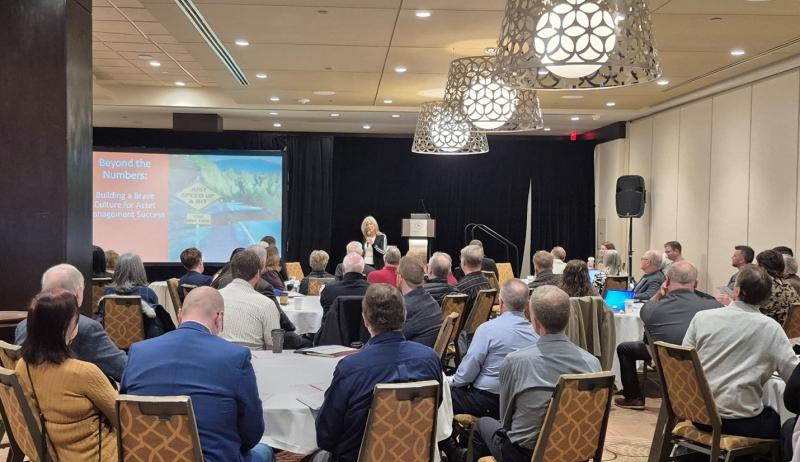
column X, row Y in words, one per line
column 620, row 17
column 611, row 104
column 242, row 42
column 716, row 18
column 662, row 82
column 277, row 125
column 737, row 52
column 273, row 113
column 145, row 57
column 274, row 99
column 547, row 129
column 366, row 127
column 324, row 93
column 395, row 116
column 180, row 84
column 387, row 101
column 328, row 68
column 303, row 100
column 542, row 71
column 400, row 69
column 423, row 14
column 322, row 11
column 572, row 97
column 334, row 114
column 155, row 63
column 574, row 118
column 261, row 75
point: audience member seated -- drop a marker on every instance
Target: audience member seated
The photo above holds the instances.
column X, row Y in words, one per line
column 99, row 263
column 742, row 256
column 318, row 261
column 666, row 317
column 612, row 266
column 790, row 272
column 387, row 274
column 783, row 294
column 601, row 252
column 673, row 251
column 527, row 379
column 215, row 373
column 739, row 349
column 75, row 398
column 269, row 241
column 543, row 270
column 353, row 282
column 386, row 358
column 473, row 281
column 352, row 247
column 559, row 259
column 476, row 384
column 575, row 280
column 91, row 344
column 131, row 279
column 111, row 261
column 226, row 269
column 437, row 284
column 783, row 250
column 651, row 282
column 272, row 269
column 423, row 314
column 487, row 264
column 192, row 260
column 251, row 316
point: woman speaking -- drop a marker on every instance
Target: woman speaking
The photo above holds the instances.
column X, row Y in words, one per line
column 374, row 243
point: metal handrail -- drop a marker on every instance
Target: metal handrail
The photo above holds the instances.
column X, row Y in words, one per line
column 470, row 229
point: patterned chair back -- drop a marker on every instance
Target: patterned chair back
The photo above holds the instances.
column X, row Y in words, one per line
column 686, row 389
column 174, row 294
column 9, row 355
column 401, row 423
column 505, row 272
column 123, row 319
column 24, row 432
column 480, row 310
column 492, row 279
column 574, row 428
column 455, row 303
column 157, row 428
column 294, row 270
column 98, row 286
column 445, row 333
column 791, row 325
column 315, row 284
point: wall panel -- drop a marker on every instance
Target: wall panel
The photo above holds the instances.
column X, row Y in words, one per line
column 611, row 162
column 664, row 181
column 640, row 163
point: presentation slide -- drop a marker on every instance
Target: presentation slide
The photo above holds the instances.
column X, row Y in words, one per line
column 158, row 204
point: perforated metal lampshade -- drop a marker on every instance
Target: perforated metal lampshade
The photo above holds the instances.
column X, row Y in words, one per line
column 576, row 44
column 441, row 130
column 487, row 102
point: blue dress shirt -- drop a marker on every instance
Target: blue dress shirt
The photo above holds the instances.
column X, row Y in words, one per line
column 493, row 340
column 386, row 358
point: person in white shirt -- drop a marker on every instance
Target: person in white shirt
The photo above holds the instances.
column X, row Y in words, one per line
column 739, row 349
column 559, row 259
column 250, row 316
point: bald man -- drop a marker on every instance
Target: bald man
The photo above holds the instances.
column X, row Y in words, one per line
column 92, row 343
column 217, row 374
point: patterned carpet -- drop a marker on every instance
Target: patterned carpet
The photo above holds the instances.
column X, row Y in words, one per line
column 626, row 449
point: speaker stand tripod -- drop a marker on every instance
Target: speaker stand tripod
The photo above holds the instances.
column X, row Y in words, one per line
column 630, row 251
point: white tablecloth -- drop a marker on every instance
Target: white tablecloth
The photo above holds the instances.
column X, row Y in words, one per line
column 289, row 423
column 629, row 328
column 160, row 288
column 305, row 312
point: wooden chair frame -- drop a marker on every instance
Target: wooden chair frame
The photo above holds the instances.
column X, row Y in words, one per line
column 174, row 294
column 455, row 303
column 493, row 281
column 9, row 355
column 163, row 407
column 98, row 284
column 481, row 309
column 445, row 333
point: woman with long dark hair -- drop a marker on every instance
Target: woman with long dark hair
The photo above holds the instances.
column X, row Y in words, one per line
column 575, row 280
column 73, row 398
column 783, row 295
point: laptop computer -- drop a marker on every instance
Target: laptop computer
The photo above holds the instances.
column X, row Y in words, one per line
column 616, row 299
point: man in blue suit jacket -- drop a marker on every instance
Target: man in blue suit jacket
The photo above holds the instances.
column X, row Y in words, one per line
column 192, row 260
column 217, row 374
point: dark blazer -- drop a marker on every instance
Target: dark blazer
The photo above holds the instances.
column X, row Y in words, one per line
column 339, row 272
column 217, row 374
column 423, row 317
column 193, row 278
column 314, row 274
column 351, row 284
column 438, row 289
column 91, row 345
column 668, row 319
column 378, row 249
column 648, row 285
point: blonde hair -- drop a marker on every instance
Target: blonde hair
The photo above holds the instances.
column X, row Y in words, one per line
column 273, row 259
column 366, row 220
column 318, row 260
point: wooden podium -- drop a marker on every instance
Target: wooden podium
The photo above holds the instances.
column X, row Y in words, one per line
column 419, row 229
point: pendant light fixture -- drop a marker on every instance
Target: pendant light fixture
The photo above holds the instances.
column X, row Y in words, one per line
column 442, row 130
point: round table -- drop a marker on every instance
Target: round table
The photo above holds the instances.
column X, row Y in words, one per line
column 284, row 378
column 629, row 328
column 305, row 312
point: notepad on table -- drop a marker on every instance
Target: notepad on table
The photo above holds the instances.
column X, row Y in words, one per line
column 327, row 351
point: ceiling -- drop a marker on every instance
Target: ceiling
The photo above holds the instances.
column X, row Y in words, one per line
column 352, row 47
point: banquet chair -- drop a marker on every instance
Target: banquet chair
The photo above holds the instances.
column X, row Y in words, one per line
column 688, row 400
column 574, row 428
column 174, row 294
column 315, row 284
column 294, row 270
column 453, row 303
column 98, row 286
column 343, row 323
column 791, row 325
column 615, row 283
column 9, row 355
column 123, row 319
column 157, row 428
column 478, row 315
column 445, row 333
column 505, row 272
column 24, row 432
column 186, row 288
column 402, row 423
column 492, row 279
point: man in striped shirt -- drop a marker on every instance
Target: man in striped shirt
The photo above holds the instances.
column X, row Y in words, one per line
column 249, row 315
